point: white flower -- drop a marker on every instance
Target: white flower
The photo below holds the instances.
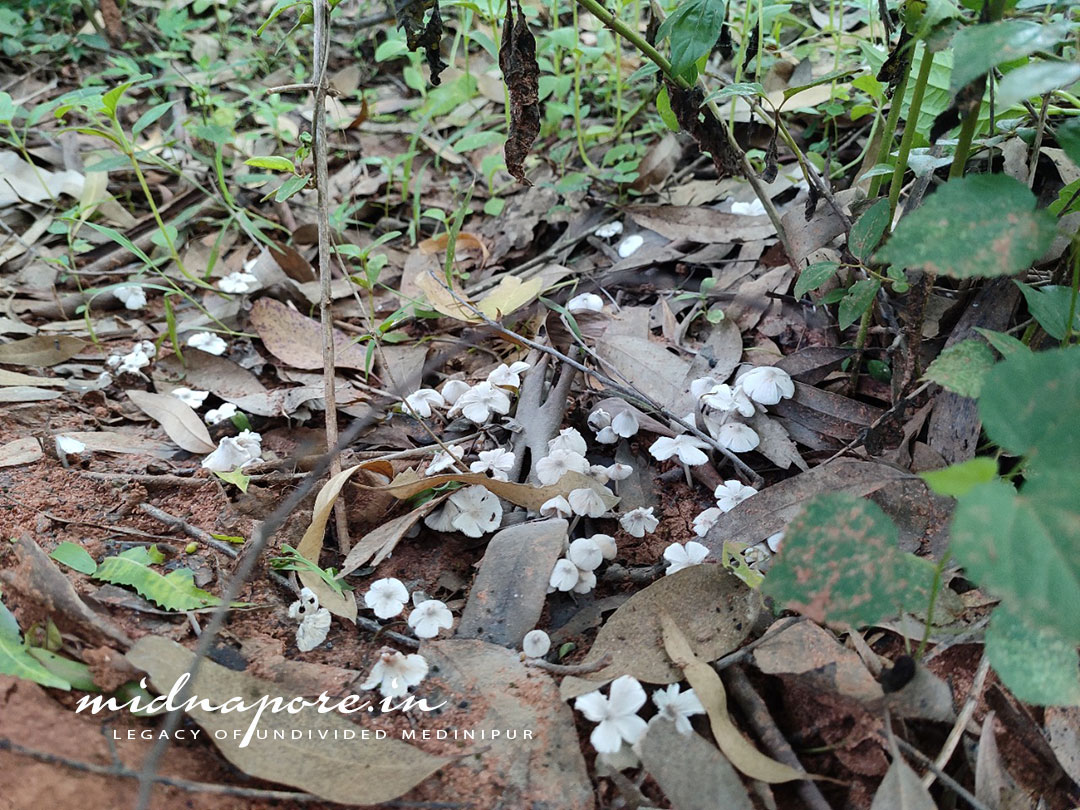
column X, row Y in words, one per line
column 480, row 401
column 754, row 208
column 564, row 576
column 67, row 446
column 586, row 302
column 453, row 389
column 701, row 386
column 767, row 384
column 737, row 437
column 314, row 620
column 421, row 402
column 731, row 493
column 619, row 472
column 585, row 553
column 131, row 296
column 685, row 447
column 706, row 520
column 629, row 246
column 190, row 397
column 683, row 556
column 775, row 541
column 394, row 673
column 498, row 462
column 616, row 715
column 444, row 460
column 429, row 617
column 207, row 342
column 479, row 511
column 599, row 419
column 559, row 462
column 234, row 452
column 238, row 282
column 586, row 581
column 568, row 439
column 556, row 507
column 609, row 230
column 508, row 375
column 386, row 597
column 724, row 398
column 536, row 644
column 607, row 545
column 586, row 501
column 638, row 521
column 217, row 415
column 625, row 423
column 678, row 707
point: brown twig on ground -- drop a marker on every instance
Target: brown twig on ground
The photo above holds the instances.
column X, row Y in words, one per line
column 194, row 532
column 757, row 714
column 946, row 780
column 569, row 669
column 155, row 480
column 720, row 664
column 960, row 725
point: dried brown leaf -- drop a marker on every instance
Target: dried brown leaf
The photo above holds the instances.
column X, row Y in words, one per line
column 517, row 59
column 21, row 451
column 178, row 420
column 296, row 339
column 410, row 483
column 41, row 350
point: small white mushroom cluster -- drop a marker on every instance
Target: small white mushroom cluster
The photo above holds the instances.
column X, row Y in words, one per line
column 477, row 403
column 134, row 361
column 387, row 598
column 728, row 495
column 235, row 452
column 725, row 406
column 576, row 571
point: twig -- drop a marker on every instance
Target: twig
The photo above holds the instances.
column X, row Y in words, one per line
column 961, row 722
column 193, row 532
column 757, row 714
column 326, row 315
column 153, row 480
column 720, row 664
column 946, row 780
column 569, row 669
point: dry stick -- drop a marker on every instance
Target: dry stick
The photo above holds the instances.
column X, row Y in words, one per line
column 946, row 780
column 757, row 714
column 193, row 532
column 728, row 660
column 569, row 669
column 326, row 315
column 961, row 721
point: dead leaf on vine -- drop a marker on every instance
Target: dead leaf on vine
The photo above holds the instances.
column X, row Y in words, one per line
column 410, row 16
column 517, row 58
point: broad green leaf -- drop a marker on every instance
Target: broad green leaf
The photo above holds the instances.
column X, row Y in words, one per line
column 150, row 116
column 74, row 556
column 663, row 109
column 1006, row 345
column 16, row 660
column 1025, row 547
column 692, row 30
column 978, row 226
column 832, row 76
column 977, row 48
column 962, row 368
column 737, row 89
column 76, row 673
column 274, row 163
column 173, row 591
column 1037, row 664
column 1050, row 305
column 1034, row 80
column 814, row 276
column 111, row 99
column 1068, row 136
column 858, row 299
column 840, row 564
column 960, row 479
column 7, row 108
column 236, row 478
column 868, row 229
column 1029, row 407
column 291, row 186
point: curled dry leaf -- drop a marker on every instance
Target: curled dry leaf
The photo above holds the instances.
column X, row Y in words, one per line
column 717, row 609
column 703, row 127
column 710, row 691
column 380, row 543
column 21, row 451
column 410, row 16
column 409, row 483
column 517, row 59
column 350, row 771
column 436, row 244
column 178, row 420
column 901, row 789
column 40, row 351
column 296, row 339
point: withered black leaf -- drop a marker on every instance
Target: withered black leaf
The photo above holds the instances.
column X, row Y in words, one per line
column 704, row 128
column 968, row 98
column 898, row 60
column 517, row 59
column 771, row 167
column 812, row 197
column 410, row 17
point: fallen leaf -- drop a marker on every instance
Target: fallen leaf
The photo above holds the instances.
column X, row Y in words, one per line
column 717, row 609
column 350, row 771
column 296, row 340
column 646, row 365
column 24, row 182
column 410, row 483
column 437, row 244
column 15, row 378
column 510, row 295
column 704, row 225
column 115, row 441
column 901, row 789
column 775, row 443
column 178, row 420
column 206, row 372
column 41, row 350
column 1063, row 734
column 380, row 543
column 21, row 451
column 710, row 691
column 25, row 393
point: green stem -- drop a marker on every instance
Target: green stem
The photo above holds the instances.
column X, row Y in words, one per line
column 935, row 588
column 634, row 38
column 910, row 125
column 963, row 145
column 577, row 94
column 889, row 133
column 1075, row 291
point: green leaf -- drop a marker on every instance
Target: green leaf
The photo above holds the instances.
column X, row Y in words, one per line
column 832, row 76
column 236, row 478
column 1050, row 305
column 1025, row 547
column 814, row 276
column 1037, row 664
column 737, row 89
column 74, row 556
column 663, row 108
column 16, row 660
column 977, row 48
column 859, row 298
column 840, row 564
column 960, row 479
column 274, row 163
column 1034, row 79
column 1068, row 137
column 1006, row 345
column 150, row 116
column 982, row 225
column 290, row 187
column 174, row 591
column 76, row 673
column 1028, row 407
column 7, row 108
column 111, row 99
column 962, row 368
column 868, row 229
column 692, row 30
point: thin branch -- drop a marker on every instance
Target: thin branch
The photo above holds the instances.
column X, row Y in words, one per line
column 960, row 725
column 946, row 780
column 569, row 669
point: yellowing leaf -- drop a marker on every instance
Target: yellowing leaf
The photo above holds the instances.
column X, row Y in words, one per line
column 710, row 691
column 443, row 301
column 511, row 294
